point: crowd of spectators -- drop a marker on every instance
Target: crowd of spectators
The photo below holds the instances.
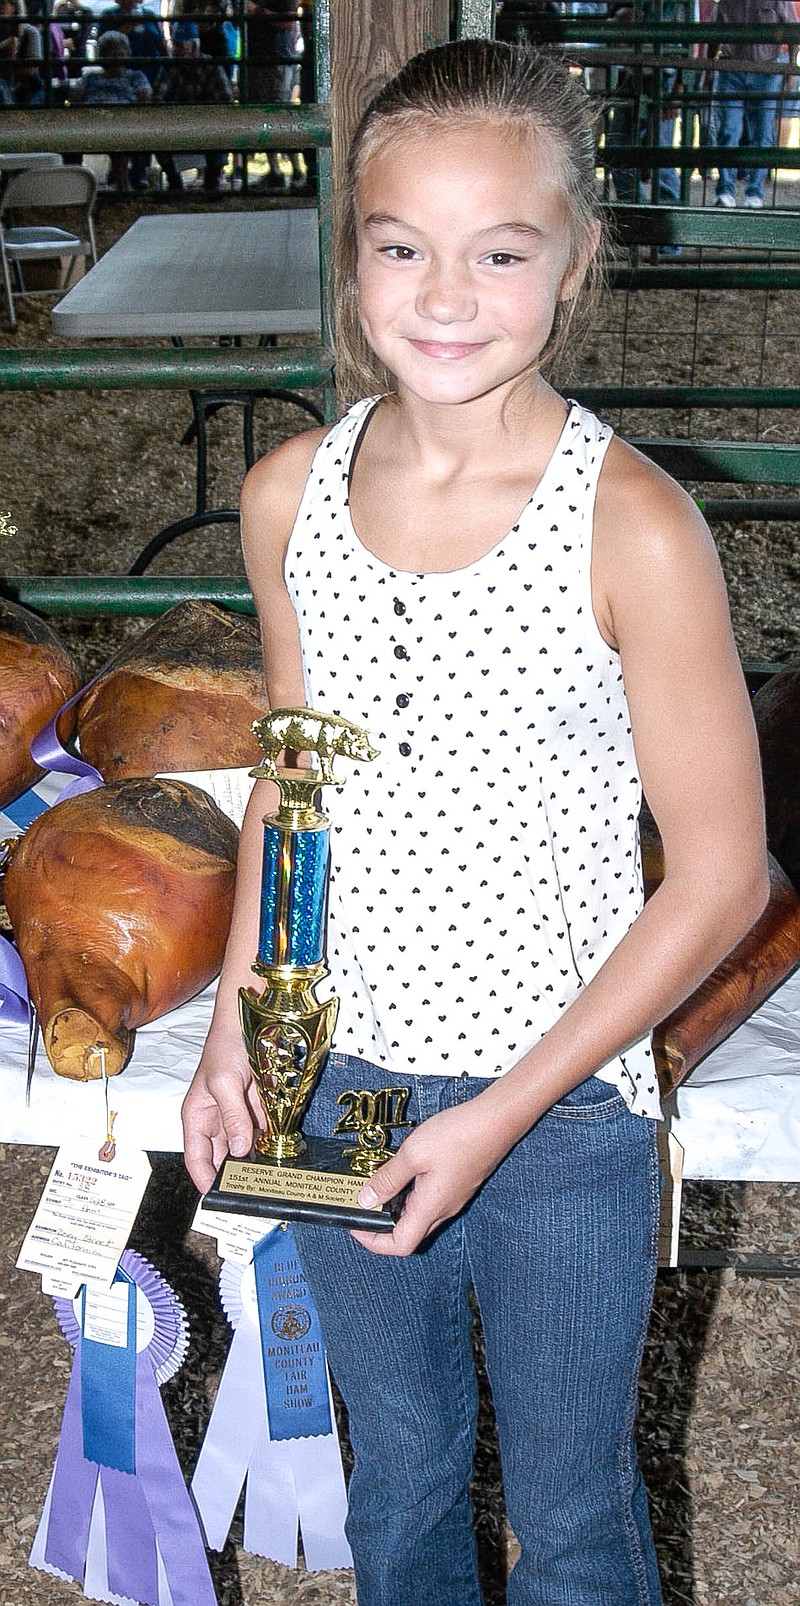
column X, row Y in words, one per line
column 127, row 53
column 94, row 52
column 732, row 93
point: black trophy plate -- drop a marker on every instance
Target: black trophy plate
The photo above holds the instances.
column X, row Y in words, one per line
column 318, row 1186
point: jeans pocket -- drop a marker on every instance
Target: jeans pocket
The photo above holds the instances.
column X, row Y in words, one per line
column 592, row 1100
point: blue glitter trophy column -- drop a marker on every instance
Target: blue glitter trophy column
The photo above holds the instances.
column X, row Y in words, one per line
column 287, row 1031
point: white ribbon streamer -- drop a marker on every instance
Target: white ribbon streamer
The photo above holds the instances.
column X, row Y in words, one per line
column 289, row 1484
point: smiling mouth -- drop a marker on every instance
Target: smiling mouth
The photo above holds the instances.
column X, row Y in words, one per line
column 448, row 350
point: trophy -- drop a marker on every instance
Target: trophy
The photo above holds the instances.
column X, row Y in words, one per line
column 287, row 1030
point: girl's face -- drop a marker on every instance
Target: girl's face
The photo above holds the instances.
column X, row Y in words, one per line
column 463, row 256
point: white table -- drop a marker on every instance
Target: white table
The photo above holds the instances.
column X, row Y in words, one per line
column 201, row 273
column 19, row 161
column 214, row 274
column 737, row 1116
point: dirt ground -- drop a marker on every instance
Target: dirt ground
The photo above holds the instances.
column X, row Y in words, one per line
column 87, row 478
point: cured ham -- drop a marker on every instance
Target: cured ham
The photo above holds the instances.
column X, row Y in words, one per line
column 776, row 708
column 37, row 675
column 120, row 900
column 770, row 950
column 182, row 696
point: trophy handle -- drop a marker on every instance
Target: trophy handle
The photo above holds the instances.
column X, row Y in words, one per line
column 287, row 1034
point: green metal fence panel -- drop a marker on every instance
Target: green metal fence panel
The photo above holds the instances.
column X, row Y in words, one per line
column 771, row 230
column 180, row 128
column 705, row 276
column 690, row 156
column 757, row 397
column 143, row 595
column 743, row 462
column 164, row 368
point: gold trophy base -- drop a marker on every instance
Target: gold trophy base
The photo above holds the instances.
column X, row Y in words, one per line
column 318, row 1186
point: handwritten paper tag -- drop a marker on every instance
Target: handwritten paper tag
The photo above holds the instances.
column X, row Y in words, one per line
column 105, row 1315
column 235, row 1234
column 230, row 788
column 84, row 1217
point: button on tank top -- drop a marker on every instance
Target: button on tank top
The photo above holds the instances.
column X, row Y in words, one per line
column 487, row 862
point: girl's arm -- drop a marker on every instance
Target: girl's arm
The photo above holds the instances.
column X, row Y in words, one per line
column 221, row 1108
column 659, row 598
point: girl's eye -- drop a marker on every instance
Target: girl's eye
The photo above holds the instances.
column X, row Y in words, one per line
column 398, row 253
column 502, row 259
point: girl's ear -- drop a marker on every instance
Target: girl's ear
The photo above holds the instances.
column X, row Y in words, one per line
column 574, row 276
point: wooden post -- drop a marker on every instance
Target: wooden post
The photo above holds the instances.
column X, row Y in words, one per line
column 370, row 40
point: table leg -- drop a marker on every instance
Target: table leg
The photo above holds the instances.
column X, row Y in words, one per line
column 193, row 521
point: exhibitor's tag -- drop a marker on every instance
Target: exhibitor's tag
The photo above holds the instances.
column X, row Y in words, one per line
column 84, row 1217
column 230, row 788
column 235, row 1235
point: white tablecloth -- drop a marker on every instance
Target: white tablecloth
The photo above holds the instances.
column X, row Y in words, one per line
column 737, row 1118
column 738, row 1114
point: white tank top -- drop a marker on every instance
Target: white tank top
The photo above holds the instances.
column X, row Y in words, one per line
column 487, row 862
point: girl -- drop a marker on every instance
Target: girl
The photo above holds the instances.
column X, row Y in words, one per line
column 528, row 617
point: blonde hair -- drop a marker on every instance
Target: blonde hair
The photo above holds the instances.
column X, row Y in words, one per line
column 494, row 82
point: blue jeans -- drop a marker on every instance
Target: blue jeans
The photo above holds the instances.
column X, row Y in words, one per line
column 624, row 129
column 762, row 118
column 560, row 1247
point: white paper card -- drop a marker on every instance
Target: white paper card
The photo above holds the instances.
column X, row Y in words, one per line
column 60, row 1287
column 84, row 1217
column 230, row 789
column 235, row 1234
column 105, row 1315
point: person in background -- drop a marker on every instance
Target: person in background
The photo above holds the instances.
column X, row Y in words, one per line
column 20, row 55
column 219, row 36
column 746, row 96
column 117, row 84
column 192, row 79
column 631, row 123
column 148, row 46
column 76, row 23
column 595, row 78
column 516, row 19
column 274, row 51
column 143, row 33
column 306, row 182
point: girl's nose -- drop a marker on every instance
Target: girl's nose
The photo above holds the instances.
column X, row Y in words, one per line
column 447, row 295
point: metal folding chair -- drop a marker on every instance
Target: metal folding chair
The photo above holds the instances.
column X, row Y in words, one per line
column 57, row 189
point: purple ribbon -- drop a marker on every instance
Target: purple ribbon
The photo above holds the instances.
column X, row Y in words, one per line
column 146, row 1514
column 50, row 753
column 175, row 1523
column 14, row 1006
column 131, row 1556
column 74, row 1482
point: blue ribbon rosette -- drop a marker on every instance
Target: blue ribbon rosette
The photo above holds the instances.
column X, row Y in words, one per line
column 118, row 1518
column 272, row 1426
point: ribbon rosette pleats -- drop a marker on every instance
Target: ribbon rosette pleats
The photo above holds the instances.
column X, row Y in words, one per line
column 118, row 1518
column 272, row 1427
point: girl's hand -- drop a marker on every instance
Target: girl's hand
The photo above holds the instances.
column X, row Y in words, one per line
column 445, row 1160
column 220, row 1113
